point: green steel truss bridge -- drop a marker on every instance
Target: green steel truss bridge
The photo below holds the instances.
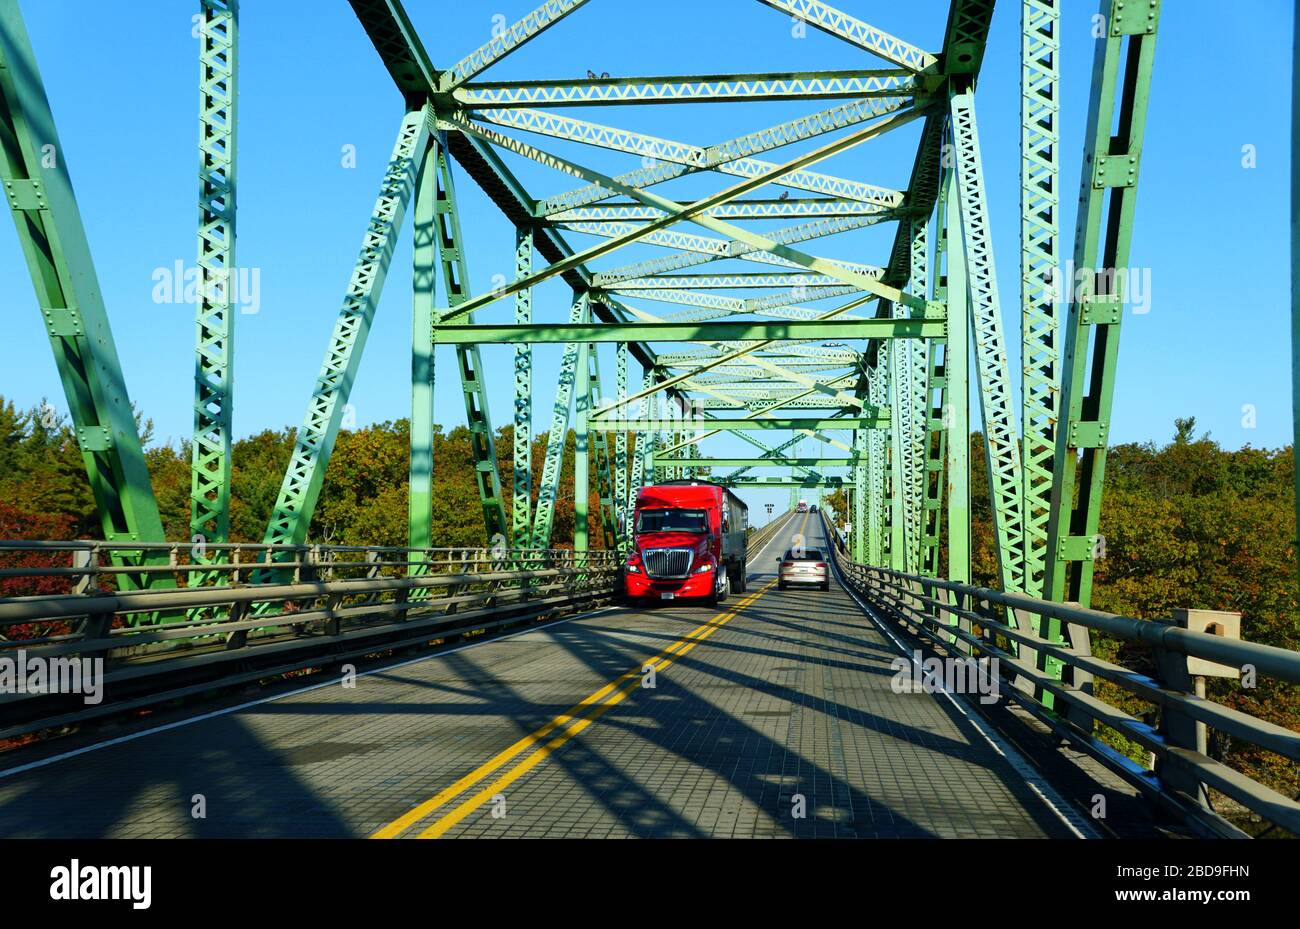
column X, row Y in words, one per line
column 781, row 697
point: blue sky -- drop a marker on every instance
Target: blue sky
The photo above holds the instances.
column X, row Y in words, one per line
column 1213, row 233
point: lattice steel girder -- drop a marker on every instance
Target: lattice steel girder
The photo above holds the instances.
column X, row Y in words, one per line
column 662, row 383
column 770, row 408
column 861, row 497
column 1001, row 440
column 521, row 498
column 1039, row 257
column 478, row 419
column 764, row 462
column 708, row 88
column 870, row 420
column 695, row 211
column 315, row 439
column 424, row 279
column 731, row 282
column 552, row 464
column 487, row 333
column 214, row 319
column 34, row 169
column 730, row 157
column 1121, row 83
column 830, row 20
column 711, row 158
column 581, row 441
column 754, row 208
column 621, row 488
column 505, row 41
column 818, row 481
column 698, row 250
column 956, row 414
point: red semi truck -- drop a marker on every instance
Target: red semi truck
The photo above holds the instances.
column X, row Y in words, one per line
column 689, row 543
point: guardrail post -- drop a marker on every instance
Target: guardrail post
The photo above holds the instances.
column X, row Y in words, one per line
column 1187, row 675
column 87, row 560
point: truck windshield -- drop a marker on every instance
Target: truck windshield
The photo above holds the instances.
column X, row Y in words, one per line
column 671, row 521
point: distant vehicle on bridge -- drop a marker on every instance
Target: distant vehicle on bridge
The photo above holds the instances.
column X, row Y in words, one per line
column 803, row 568
column 689, row 543
column 802, row 507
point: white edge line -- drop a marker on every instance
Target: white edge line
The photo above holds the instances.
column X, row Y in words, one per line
column 1045, row 791
column 226, row 711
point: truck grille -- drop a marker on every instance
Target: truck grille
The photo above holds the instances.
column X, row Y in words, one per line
column 667, row 562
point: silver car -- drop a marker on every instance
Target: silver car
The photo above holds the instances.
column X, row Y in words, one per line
column 804, row 567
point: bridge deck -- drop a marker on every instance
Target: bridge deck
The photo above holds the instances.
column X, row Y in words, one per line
column 551, row 733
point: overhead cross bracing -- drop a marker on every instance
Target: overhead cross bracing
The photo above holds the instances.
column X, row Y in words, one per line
column 812, row 260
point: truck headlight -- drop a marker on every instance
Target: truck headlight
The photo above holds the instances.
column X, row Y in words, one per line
column 633, row 569
column 704, row 568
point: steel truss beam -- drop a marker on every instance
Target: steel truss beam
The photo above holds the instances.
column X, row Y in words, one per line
column 871, row 419
column 1121, row 84
column 825, row 17
column 695, row 212
column 721, row 88
column 506, row 41
column 214, row 315
column 34, row 170
column 1039, row 257
column 548, row 489
column 315, row 440
column 1001, row 441
column 484, row 333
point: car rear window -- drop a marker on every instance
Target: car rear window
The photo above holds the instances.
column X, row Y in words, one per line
column 810, row 554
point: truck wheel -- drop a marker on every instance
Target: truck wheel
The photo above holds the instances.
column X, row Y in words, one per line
column 741, row 581
column 721, row 595
column 826, row 586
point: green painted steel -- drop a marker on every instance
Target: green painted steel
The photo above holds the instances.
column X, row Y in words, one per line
column 214, row 313
column 315, row 440
column 1000, row 432
column 772, row 461
column 1121, row 83
column 581, row 457
column 478, row 418
column 484, row 333
column 722, row 88
column 34, row 170
column 548, row 489
column 1040, row 254
column 725, row 425
column 956, row 413
column 424, row 281
column 521, row 525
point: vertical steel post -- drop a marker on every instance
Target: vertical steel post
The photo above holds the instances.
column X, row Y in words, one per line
column 214, row 316
column 581, row 462
column 1039, row 259
column 553, row 464
column 521, row 499
column 1121, row 86
column 957, row 372
column 1000, row 430
column 424, row 284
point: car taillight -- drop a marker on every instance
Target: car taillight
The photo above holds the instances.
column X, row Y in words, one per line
column 821, row 564
column 787, row 564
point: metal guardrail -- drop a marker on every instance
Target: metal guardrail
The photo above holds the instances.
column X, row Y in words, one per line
column 990, row 624
column 214, row 628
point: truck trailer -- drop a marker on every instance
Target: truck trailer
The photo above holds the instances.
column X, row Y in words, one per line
column 689, row 543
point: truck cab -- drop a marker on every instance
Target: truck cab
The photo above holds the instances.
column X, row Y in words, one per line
column 688, row 543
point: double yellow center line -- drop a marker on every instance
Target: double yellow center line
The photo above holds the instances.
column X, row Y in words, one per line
column 550, row 737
